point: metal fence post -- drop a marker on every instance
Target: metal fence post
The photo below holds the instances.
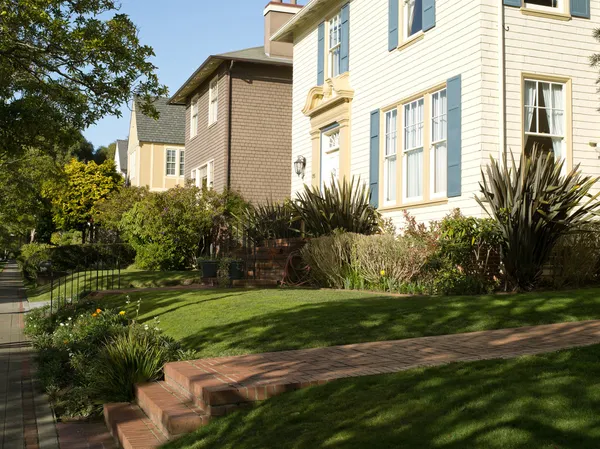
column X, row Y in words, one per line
column 51, row 288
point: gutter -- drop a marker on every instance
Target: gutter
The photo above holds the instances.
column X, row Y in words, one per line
column 501, row 83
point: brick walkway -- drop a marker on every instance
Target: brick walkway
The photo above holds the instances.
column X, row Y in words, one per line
column 26, row 420
column 221, row 382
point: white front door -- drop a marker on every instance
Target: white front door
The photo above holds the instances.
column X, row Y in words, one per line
column 330, row 156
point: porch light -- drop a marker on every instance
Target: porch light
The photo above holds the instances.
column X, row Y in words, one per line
column 300, row 165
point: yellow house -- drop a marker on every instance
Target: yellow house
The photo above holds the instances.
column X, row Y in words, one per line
column 156, row 148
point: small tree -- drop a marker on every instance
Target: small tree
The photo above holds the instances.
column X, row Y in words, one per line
column 534, row 205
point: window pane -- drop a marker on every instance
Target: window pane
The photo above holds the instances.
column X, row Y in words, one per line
column 390, row 184
column 414, row 174
column 390, row 132
column 440, row 168
column 413, row 21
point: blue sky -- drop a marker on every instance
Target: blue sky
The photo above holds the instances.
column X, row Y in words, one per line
column 183, row 34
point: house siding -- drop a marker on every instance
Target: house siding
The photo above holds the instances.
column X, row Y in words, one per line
column 547, row 46
column 261, row 127
column 381, row 78
column 210, row 143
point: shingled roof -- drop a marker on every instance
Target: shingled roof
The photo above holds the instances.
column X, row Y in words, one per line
column 254, row 55
column 169, row 128
column 122, row 153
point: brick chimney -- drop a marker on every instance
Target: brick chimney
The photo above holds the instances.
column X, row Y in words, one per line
column 277, row 13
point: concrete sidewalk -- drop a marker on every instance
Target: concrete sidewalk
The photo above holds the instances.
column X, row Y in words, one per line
column 26, row 421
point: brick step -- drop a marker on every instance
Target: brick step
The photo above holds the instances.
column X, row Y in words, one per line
column 256, row 283
column 131, row 428
column 171, row 412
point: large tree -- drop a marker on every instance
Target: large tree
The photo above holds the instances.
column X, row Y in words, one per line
column 64, row 64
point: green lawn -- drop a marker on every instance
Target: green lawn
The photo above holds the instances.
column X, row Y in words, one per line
column 130, row 278
column 230, row 322
column 548, row 402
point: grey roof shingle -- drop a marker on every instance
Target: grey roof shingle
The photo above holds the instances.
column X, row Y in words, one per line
column 169, row 128
column 122, row 152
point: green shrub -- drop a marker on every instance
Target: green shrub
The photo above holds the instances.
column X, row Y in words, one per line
column 65, row 238
column 339, row 206
column 393, row 262
column 575, row 260
column 132, row 357
column 269, row 221
column 31, row 258
column 534, row 205
column 331, row 260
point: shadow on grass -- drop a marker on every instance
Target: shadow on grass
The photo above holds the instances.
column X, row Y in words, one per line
column 227, row 322
column 548, row 401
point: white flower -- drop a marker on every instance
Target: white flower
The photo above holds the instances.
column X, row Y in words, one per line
column 145, row 327
column 70, row 318
column 156, row 329
column 62, row 324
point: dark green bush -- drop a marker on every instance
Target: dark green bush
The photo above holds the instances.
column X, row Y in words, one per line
column 534, row 205
column 339, row 206
column 269, row 221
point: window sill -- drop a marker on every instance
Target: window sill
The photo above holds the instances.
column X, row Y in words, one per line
column 546, row 14
column 416, row 204
column 211, row 125
column 411, row 40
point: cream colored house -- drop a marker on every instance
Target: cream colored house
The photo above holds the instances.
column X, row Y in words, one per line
column 156, row 148
column 414, row 96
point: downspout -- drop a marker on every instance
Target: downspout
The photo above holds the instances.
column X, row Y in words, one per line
column 229, row 124
column 501, row 84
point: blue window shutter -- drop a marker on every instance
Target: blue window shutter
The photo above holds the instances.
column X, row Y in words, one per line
column 321, row 56
column 580, row 8
column 345, row 44
column 516, row 3
column 393, row 17
column 454, row 95
column 374, row 159
column 428, row 14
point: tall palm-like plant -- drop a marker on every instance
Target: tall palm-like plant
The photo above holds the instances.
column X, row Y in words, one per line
column 534, row 204
column 341, row 205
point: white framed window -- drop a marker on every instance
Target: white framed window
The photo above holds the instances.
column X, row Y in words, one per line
column 335, row 45
column 171, row 162
column 545, row 118
column 213, row 101
column 330, row 155
column 547, row 5
column 181, row 162
column 413, row 150
column 194, row 118
column 439, row 143
column 193, row 177
column 204, row 176
column 412, row 17
column 390, row 156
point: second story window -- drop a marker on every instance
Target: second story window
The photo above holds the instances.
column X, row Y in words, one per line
column 194, row 118
column 213, row 105
column 544, row 4
column 181, row 163
column 335, row 45
column 413, row 17
column 171, row 162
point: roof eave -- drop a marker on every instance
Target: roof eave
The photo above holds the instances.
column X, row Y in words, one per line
column 286, row 32
column 180, row 98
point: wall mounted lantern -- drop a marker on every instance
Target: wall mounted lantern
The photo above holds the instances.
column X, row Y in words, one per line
column 300, row 166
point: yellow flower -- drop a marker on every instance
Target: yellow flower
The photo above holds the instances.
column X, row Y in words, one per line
column 382, row 272
column 122, row 313
column 98, row 310
column 66, row 341
column 94, row 315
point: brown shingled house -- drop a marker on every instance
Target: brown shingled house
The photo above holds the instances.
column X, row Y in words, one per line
column 239, row 116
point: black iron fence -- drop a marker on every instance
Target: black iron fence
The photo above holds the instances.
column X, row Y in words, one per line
column 72, row 286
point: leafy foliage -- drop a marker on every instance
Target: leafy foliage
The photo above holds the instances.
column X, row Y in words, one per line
column 534, row 205
column 169, row 230
column 269, row 221
column 86, row 184
column 64, row 65
column 341, row 205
